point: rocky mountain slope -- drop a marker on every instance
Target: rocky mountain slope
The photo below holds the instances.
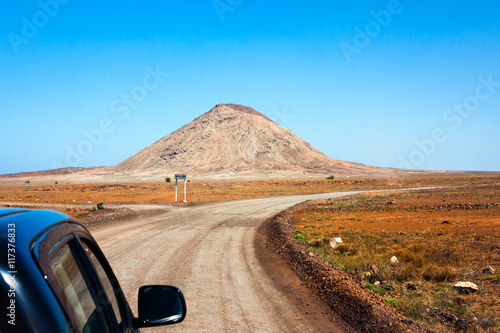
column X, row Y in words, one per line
column 234, row 139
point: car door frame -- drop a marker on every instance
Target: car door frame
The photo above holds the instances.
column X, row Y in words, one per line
column 54, row 238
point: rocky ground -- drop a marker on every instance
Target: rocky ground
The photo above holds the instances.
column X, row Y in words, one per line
column 347, row 298
column 437, row 237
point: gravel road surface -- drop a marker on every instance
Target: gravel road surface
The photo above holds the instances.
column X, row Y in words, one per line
column 210, row 252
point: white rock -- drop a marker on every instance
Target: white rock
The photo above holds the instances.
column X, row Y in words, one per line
column 466, row 285
column 334, row 242
column 394, row 260
column 488, row 270
column 377, row 283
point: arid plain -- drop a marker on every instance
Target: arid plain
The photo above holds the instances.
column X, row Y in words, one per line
column 445, row 233
column 250, row 227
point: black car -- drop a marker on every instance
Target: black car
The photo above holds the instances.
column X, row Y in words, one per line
column 54, row 278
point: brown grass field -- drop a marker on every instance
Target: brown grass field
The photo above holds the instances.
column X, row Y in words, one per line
column 203, row 191
column 440, row 236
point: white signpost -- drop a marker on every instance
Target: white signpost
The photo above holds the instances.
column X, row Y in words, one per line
column 177, row 177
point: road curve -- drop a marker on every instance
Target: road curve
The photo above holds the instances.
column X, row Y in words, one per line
column 208, row 251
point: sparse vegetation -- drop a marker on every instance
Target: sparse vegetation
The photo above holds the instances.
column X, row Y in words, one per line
column 27, row 182
column 300, row 236
column 431, row 256
column 168, row 180
column 330, row 177
column 99, row 206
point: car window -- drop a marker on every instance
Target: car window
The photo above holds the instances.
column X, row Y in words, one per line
column 89, row 314
column 111, row 288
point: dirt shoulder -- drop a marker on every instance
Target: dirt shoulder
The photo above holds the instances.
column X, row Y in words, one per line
column 290, row 285
column 353, row 303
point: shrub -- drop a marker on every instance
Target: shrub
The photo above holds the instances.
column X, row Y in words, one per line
column 437, row 273
column 168, row 179
column 391, row 301
column 377, row 290
column 330, row 177
column 300, row 236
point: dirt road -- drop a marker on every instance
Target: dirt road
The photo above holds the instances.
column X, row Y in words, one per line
column 209, row 252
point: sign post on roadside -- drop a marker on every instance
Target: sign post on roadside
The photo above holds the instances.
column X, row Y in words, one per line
column 177, row 177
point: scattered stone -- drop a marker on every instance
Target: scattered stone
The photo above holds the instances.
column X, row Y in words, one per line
column 488, row 270
column 374, row 268
column 68, row 208
column 311, row 254
column 392, row 202
column 466, row 287
column 484, row 323
column 394, row 260
column 377, row 283
column 334, row 242
column 446, row 222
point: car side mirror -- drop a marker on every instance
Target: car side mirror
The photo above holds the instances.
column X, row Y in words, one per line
column 160, row 305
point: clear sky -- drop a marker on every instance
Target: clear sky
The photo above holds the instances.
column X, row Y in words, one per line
column 386, row 83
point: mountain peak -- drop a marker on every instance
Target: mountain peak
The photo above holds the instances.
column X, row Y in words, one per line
column 239, row 108
column 233, row 139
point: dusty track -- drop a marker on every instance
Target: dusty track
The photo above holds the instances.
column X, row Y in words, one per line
column 209, row 252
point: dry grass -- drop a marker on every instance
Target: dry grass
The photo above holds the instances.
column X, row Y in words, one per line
column 432, row 256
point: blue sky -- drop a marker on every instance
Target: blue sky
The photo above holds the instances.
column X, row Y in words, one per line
column 386, row 83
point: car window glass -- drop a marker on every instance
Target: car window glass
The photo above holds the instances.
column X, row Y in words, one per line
column 112, row 293
column 90, row 316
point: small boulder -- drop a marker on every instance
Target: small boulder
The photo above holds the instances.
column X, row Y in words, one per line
column 466, row 287
column 394, row 260
column 485, row 323
column 488, row 270
column 334, row 242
